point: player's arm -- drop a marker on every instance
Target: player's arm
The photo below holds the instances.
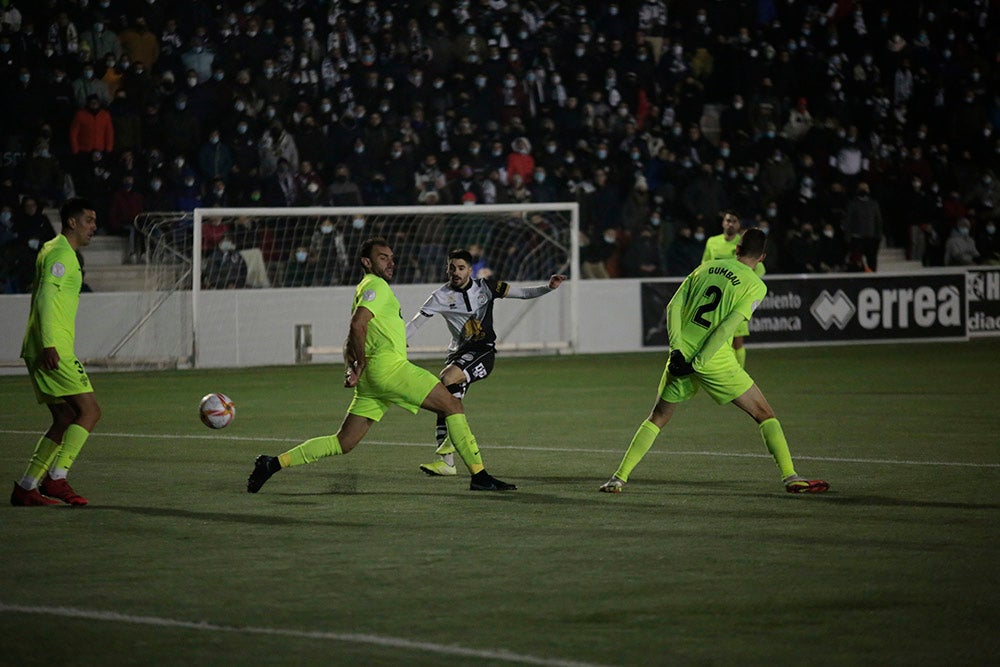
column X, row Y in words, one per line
column 533, row 292
column 354, row 346
column 45, row 300
column 720, row 336
column 675, row 315
column 419, row 320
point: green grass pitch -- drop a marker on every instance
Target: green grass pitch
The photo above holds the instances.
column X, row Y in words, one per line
column 363, row 560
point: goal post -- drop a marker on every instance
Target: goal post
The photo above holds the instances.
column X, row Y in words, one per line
column 255, row 273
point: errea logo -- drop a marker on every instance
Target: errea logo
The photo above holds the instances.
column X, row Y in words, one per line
column 830, row 310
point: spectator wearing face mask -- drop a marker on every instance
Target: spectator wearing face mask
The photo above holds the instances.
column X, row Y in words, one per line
column 342, row 190
column 215, row 158
column 988, row 243
column 685, row 252
column 520, row 160
column 181, row 129
column 124, row 205
column 960, row 248
column 225, row 267
column 863, row 225
column 275, row 145
column 98, row 40
column 88, row 85
column 156, row 198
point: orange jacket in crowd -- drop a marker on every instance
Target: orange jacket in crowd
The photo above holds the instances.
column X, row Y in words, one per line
column 91, row 132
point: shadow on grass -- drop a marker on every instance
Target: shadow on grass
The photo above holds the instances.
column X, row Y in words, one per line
column 731, row 488
column 226, row 517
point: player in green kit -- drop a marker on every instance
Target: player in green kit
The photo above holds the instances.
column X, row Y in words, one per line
column 380, row 374
column 58, row 377
column 711, row 304
column 722, row 246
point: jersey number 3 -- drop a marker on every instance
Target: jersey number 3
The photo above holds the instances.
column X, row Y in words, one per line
column 714, row 296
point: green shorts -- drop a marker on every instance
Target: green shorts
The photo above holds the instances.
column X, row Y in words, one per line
column 68, row 379
column 723, row 379
column 396, row 382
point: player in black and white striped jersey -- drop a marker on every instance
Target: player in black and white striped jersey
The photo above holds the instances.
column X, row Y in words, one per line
column 466, row 304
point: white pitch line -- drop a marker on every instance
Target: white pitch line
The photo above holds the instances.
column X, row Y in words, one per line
column 350, row 637
column 571, row 450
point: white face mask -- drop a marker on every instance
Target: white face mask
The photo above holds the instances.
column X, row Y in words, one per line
column 301, row 256
column 358, row 223
column 226, row 246
column 326, row 229
column 699, row 237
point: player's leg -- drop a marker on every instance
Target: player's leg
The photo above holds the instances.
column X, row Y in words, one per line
column 672, row 390
column 753, row 402
column 454, row 380
column 26, row 491
column 463, row 369
column 86, row 413
column 442, row 402
column 363, row 411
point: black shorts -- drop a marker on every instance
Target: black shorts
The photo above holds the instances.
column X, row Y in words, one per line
column 476, row 363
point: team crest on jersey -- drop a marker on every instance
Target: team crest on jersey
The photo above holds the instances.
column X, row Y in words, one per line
column 59, row 269
column 368, row 295
column 482, row 298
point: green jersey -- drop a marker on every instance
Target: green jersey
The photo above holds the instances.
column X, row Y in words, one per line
column 719, row 247
column 707, row 296
column 386, row 330
column 52, row 318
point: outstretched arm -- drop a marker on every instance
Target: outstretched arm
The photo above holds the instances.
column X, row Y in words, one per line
column 354, row 346
column 418, row 321
column 534, row 292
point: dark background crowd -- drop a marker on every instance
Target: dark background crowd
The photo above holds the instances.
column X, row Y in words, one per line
column 831, row 125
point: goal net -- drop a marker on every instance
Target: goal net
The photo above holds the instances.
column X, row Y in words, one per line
column 264, row 286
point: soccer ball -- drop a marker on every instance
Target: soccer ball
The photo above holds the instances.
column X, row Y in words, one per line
column 217, row 410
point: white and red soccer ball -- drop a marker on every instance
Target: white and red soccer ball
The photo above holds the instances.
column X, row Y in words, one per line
column 217, row 410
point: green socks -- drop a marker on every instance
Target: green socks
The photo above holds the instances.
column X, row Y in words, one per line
column 774, row 439
column 641, row 442
column 311, row 450
column 464, row 441
column 41, row 459
column 72, row 442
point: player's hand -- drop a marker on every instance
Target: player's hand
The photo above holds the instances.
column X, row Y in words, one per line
column 352, row 374
column 677, row 366
column 50, row 359
column 556, row 280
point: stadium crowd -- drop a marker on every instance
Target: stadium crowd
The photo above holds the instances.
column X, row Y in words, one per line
column 829, row 125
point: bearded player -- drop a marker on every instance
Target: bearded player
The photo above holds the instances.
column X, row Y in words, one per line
column 466, row 304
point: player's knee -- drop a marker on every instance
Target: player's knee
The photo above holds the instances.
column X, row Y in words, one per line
column 762, row 414
column 452, row 406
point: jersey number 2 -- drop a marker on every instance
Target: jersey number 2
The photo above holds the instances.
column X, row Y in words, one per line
column 714, row 295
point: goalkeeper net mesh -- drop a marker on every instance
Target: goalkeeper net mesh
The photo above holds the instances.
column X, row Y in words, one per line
column 222, row 262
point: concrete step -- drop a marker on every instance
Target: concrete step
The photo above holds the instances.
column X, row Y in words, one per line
column 894, row 259
column 120, row 278
column 105, row 251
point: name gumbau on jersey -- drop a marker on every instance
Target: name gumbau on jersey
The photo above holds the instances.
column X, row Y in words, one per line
column 901, row 308
column 726, row 273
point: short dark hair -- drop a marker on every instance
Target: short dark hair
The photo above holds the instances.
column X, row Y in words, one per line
column 752, row 243
column 74, row 207
column 728, row 211
column 369, row 245
column 461, row 253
